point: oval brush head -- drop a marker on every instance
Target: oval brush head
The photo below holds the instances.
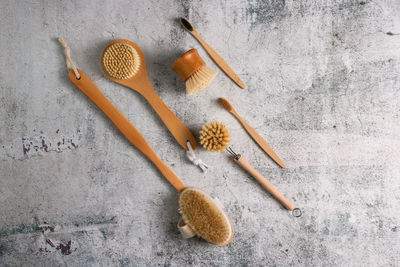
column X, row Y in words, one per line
column 214, row 136
column 205, row 216
column 121, row 61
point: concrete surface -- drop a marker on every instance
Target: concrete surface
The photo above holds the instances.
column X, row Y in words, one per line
column 323, row 89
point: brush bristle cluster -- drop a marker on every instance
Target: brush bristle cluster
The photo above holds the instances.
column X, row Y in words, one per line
column 199, row 80
column 214, row 136
column 121, row 61
column 204, row 217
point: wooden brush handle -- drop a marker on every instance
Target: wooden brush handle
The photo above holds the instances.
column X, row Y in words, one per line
column 265, row 183
column 177, row 128
column 219, row 60
column 124, row 125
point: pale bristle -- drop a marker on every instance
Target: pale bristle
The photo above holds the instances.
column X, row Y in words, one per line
column 121, row 61
column 199, row 80
column 204, row 217
column 214, row 136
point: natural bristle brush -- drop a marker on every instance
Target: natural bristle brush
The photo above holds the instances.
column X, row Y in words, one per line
column 202, row 215
column 193, row 71
column 215, row 136
column 205, row 216
column 123, row 62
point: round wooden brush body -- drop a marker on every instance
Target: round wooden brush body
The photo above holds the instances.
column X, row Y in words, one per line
column 201, row 214
column 193, row 71
column 123, row 62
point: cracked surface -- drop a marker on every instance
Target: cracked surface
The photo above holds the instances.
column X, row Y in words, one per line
column 323, row 89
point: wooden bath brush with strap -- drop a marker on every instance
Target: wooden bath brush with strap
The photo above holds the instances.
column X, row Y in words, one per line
column 202, row 215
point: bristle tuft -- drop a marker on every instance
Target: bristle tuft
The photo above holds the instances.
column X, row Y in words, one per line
column 214, row 136
column 121, row 61
column 200, row 80
column 204, row 217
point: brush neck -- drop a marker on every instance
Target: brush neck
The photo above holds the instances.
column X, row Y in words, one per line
column 206, row 46
column 174, row 125
column 233, row 111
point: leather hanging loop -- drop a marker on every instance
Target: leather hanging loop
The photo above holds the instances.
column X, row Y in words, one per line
column 185, row 230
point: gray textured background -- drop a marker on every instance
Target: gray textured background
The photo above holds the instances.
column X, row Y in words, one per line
column 323, row 89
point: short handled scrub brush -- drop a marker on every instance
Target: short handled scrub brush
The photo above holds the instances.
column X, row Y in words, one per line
column 193, row 71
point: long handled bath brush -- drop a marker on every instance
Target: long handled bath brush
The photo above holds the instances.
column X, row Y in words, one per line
column 201, row 214
column 215, row 137
column 193, row 71
column 123, row 62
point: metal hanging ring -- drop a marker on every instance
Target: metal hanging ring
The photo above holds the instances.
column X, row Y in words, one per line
column 297, row 212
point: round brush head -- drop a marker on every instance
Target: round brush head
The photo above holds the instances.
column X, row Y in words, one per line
column 120, row 60
column 193, row 71
column 205, row 216
column 214, row 136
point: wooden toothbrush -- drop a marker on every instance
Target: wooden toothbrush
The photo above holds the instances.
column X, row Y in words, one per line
column 214, row 55
column 256, row 137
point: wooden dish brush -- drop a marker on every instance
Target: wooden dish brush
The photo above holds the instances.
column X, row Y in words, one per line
column 193, row 71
